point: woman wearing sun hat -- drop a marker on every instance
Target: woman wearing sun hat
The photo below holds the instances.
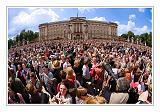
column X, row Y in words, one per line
column 56, row 70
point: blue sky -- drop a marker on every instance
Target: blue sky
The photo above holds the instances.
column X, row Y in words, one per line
column 137, row 20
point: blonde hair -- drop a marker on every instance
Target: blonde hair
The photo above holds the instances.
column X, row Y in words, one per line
column 100, row 99
column 77, row 62
column 30, row 88
column 69, row 71
column 95, row 100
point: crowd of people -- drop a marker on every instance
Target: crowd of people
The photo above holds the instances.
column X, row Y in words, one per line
column 93, row 71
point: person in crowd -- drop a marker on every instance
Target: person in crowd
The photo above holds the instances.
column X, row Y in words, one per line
column 20, row 75
column 48, row 80
column 78, row 70
column 56, row 70
column 85, row 75
column 66, row 63
column 14, row 98
column 18, row 89
column 37, row 97
column 129, row 74
column 96, row 100
column 120, row 96
column 81, row 95
column 62, row 96
column 24, row 71
column 35, row 82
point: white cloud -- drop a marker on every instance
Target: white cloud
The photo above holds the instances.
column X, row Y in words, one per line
column 31, row 19
column 99, row 19
column 35, row 17
column 131, row 26
column 141, row 9
column 84, row 10
column 132, row 17
column 141, row 30
column 117, row 22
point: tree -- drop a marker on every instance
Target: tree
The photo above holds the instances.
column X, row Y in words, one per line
column 149, row 40
column 146, row 38
column 124, row 36
column 24, row 35
column 143, row 38
column 10, row 43
column 130, row 34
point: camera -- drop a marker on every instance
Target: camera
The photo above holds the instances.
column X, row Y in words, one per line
column 108, row 68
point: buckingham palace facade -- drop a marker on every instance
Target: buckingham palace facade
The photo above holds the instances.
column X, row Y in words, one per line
column 77, row 28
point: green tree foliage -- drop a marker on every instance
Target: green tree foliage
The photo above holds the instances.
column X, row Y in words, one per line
column 24, row 35
column 124, row 36
column 10, row 43
column 130, row 34
column 143, row 38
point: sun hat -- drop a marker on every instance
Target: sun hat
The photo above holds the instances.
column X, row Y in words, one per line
column 56, row 64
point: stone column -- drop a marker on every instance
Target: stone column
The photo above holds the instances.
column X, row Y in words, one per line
column 145, row 43
column 132, row 39
column 78, row 28
column 39, row 35
column 137, row 41
column 45, row 33
column 85, row 32
column 128, row 39
column 116, row 30
column 111, row 31
column 81, row 27
column 75, row 27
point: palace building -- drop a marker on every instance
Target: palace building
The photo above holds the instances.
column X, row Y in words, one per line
column 77, row 28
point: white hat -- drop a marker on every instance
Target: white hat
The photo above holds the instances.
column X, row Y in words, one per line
column 52, row 56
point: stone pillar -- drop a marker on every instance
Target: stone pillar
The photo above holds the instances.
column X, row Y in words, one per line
column 45, row 33
column 116, row 31
column 39, row 36
column 74, row 27
column 145, row 43
column 81, row 27
column 128, row 39
column 23, row 43
column 132, row 40
column 109, row 30
column 78, row 28
column 85, row 32
column 69, row 36
column 137, row 41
